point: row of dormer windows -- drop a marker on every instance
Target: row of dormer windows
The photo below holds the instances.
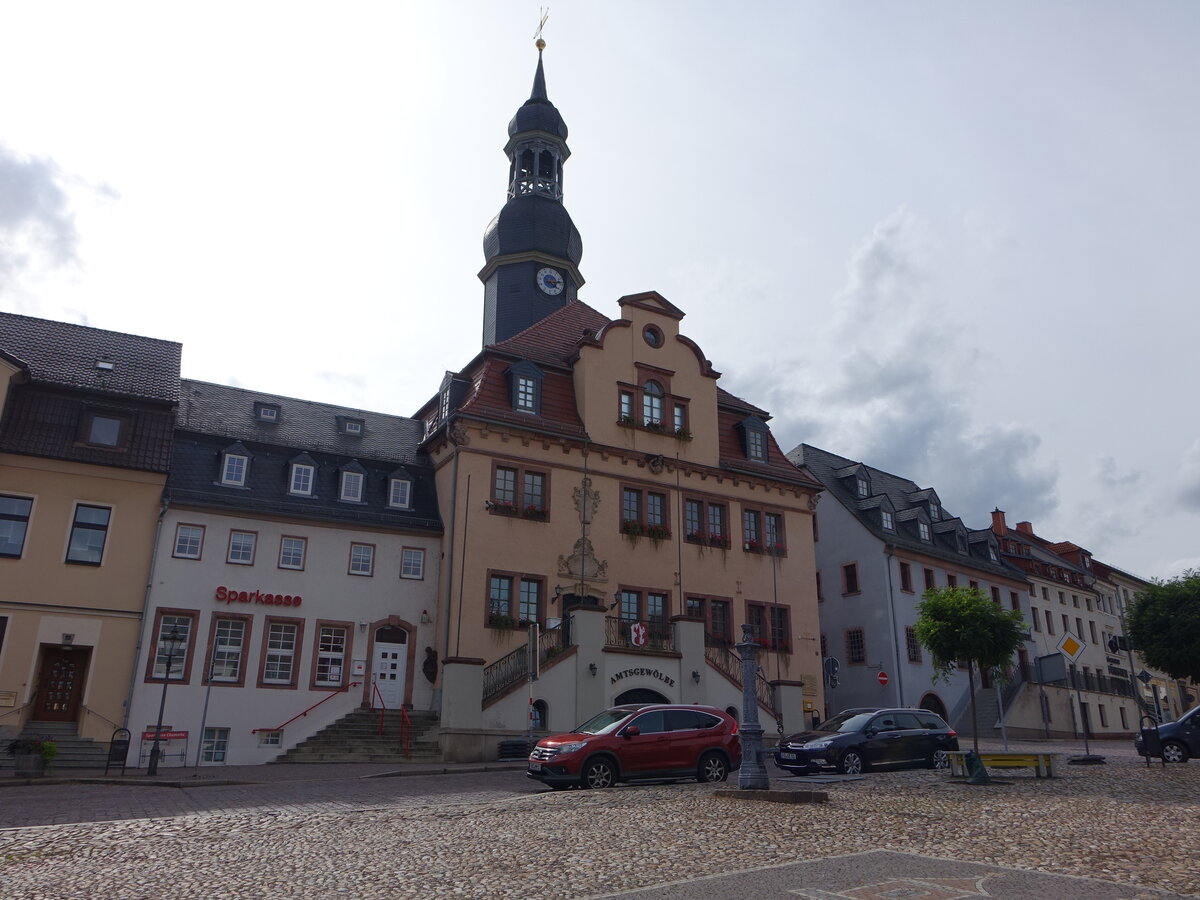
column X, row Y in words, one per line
column 352, row 481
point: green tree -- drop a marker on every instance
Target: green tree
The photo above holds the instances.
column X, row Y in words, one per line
column 1164, row 625
column 961, row 624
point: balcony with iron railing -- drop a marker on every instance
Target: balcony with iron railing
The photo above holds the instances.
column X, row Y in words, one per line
column 638, row 635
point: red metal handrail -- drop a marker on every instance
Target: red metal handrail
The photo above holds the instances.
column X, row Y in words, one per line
column 405, row 732
column 382, row 707
column 310, row 709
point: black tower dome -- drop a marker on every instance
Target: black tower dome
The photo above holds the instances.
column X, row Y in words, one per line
column 532, row 248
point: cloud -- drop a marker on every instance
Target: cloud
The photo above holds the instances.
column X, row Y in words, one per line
column 37, row 227
column 1189, row 478
column 888, row 384
column 1107, row 475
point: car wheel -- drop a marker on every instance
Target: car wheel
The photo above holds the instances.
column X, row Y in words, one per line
column 1174, row 752
column 712, row 768
column 852, row 763
column 939, row 760
column 598, row 773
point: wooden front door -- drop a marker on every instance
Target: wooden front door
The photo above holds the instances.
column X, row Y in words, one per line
column 60, row 683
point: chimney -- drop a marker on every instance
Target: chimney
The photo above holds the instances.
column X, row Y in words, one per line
column 999, row 526
column 1025, row 527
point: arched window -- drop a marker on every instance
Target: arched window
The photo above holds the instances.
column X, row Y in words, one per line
column 540, row 715
column 652, row 403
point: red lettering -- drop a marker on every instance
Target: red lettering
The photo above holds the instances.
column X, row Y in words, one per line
column 229, row 595
column 268, row 598
column 243, row 597
column 296, row 600
column 221, row 593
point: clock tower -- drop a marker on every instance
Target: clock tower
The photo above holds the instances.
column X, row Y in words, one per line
column 532, row 248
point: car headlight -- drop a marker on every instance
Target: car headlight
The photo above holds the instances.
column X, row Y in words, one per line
column 818, row 745
column 572, row 747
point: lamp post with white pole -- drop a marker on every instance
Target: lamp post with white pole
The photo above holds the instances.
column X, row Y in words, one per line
column 174, row 640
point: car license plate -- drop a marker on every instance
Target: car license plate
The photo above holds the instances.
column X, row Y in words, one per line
column 535, row 767
column 788, row 756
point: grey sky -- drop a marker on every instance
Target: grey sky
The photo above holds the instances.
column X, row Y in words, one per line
column 952, row 240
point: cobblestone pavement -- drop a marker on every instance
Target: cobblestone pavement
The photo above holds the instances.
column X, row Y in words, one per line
column 1133, row 829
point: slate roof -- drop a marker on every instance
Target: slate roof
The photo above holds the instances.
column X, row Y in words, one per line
column 304, row 424
column 62, row 354
column 215, row 418
column 824, row 466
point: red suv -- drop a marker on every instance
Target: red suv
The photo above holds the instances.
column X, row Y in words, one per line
column 637, row 741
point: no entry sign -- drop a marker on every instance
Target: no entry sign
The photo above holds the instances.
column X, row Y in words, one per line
column 882, row 678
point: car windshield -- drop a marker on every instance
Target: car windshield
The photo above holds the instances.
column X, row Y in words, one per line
column 845, row 722
column 603, row 723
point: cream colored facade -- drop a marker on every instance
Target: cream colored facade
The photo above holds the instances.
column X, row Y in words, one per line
column 579, row 550
column 83, row 616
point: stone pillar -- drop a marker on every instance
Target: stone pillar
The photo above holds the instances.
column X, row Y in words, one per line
column 461, row 726
column 587, row 633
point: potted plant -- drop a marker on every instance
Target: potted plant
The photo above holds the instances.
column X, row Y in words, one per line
column 753, row 546
column 533, row 511
column 627, row 421
column 632, row 529
column 501, row 621
column 32, row 756
column 658, row 533
column 504, row 507
column 683, row 434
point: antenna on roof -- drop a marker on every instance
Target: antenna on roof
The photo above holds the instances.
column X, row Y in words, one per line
column 538, row 42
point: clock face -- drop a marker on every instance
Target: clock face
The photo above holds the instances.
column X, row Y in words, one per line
column 550, row 281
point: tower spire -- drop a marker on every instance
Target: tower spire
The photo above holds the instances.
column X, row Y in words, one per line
column 532, row 247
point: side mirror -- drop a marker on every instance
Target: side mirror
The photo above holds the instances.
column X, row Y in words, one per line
column 631, row 731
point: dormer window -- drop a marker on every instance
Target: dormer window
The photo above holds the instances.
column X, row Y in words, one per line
column 399, row 493
column 992, row 553
column 302, row 475
column 267, row 412
column 350, row 425
column 923, row 529
column 960, row 542
column 935, row 511
column 888, row 520
column 235, row 464
column 525, row 387
column 754, row 438
column 863, row 486
column 104, row 429
column 353, row 483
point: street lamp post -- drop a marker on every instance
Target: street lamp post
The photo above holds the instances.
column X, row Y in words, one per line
column 174, row 641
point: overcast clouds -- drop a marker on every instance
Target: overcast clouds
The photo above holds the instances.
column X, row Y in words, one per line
column 954, row 241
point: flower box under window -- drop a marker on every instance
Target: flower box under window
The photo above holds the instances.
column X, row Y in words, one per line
column 504, row 508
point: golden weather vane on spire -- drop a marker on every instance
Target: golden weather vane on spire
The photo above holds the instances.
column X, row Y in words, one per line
column 539, row 43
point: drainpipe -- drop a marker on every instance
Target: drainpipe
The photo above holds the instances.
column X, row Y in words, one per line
column 137, row 652
column 888, row 550
column 448, row 563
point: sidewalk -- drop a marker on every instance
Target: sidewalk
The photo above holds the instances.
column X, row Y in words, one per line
column 215, row 776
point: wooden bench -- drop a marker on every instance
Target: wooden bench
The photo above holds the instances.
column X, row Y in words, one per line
column 1043, row 763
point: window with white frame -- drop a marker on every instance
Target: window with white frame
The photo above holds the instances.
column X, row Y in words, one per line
column 331, row 655
column 228, row 643
column 270, row 738
column 215, row 745
column 302, row 479
column 526, row 394
column 233, row 469
column 241, row 548
column 171, row 646
column 399, row 493
column 756, row 444
column 291, row 552
column 14, row 522
column 888, row 520
column 352, row 486
column 412, row 563
column 279, row 662
column 864, row 488
column 362, row 559
column 189, row 541
column 923, row 528
column 652, row 403
column 935, row 511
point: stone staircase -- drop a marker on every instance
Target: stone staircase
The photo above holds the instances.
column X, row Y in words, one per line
column 356, row 738
column 74, row 752
column 989, row 717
